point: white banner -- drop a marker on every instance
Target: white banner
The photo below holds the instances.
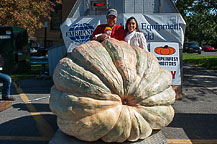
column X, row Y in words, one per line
column 159, row 27
column 163, row 27
column 167, row 54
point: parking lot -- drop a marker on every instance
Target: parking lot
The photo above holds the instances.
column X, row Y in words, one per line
column 29, row 120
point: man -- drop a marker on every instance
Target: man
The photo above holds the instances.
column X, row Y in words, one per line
column 6, row 79
column 117, row 30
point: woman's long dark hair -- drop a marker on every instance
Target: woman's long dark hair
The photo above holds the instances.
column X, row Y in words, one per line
column 128, row 20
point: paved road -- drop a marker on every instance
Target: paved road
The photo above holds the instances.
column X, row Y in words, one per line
column 28, row 121
column 195, row 120
column 209, row 53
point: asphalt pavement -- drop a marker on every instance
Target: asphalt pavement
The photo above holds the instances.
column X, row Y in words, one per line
column 195, row 118
column 209, row 53
column 30, row 120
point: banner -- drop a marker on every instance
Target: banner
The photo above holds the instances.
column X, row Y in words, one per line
column 167, row 54
column 159, row 27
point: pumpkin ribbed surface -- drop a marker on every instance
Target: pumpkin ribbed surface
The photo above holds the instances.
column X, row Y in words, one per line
column 111, row 91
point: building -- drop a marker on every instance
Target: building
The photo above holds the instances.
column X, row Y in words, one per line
column 53, row 33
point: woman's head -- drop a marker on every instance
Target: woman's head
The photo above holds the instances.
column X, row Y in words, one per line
column 131, row 25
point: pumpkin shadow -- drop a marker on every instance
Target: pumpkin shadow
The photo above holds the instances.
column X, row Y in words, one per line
column 40, row 107
column 156, row 138
column 18, row 130
column 195, row 126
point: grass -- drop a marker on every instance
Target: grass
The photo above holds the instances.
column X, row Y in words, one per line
column 209, row 62
column 34, row 72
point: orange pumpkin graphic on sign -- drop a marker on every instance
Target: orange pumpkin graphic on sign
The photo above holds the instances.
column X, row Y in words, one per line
column 166, row 50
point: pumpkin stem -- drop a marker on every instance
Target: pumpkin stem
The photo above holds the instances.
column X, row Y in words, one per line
column 166, row 46
column 126, row 100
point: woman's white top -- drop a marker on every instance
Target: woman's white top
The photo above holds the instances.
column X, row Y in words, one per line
column 136, row 39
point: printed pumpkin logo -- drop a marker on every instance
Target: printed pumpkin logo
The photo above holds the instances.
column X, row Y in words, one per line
column 166, row 50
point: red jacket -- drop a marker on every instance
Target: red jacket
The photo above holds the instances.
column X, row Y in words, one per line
column 117, row 32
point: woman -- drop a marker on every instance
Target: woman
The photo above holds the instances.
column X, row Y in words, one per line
column 133, row 36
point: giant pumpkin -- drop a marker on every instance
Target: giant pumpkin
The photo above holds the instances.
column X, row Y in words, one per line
column 111, row 91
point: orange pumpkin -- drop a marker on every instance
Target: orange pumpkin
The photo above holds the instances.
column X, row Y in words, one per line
column 111, row 91
column 166, row 50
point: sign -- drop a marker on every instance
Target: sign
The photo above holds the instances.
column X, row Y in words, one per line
column 8, row 32
column 79, row 33
column 167, row 54
column 46, row 24
column 5, row 37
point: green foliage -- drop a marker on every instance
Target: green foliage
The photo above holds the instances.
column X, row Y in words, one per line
column 200, row 17
column 34, row 72
column 209, row 62
column 25, row 13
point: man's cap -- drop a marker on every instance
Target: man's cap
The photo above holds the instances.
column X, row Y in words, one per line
column 112, row 12
column 107, row 28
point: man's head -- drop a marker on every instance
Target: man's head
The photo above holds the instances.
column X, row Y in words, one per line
column 112, row 17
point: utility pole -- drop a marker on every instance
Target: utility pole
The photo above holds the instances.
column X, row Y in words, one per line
column 45, row 34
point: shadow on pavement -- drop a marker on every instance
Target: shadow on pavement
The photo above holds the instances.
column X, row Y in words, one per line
column 199, row 77
column 196, row 126
column 32, row 86
column 200, row 94
column 25, row 126
column 35, row 86
column 40, row 107
column 196, row 114
column 199, row 84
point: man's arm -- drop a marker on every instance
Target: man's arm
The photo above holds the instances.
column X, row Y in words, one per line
column 99, row 30
column 121, row 33
column 98, row 34
column 95, row 32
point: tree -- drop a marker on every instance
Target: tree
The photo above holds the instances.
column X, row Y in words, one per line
column 200, row 17
column 27, row 14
